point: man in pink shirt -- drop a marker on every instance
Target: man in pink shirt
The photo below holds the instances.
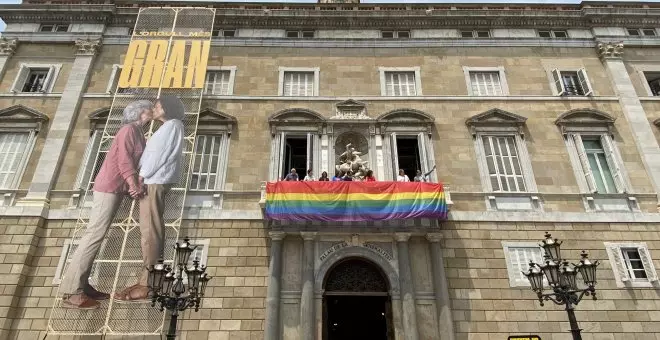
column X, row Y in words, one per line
column 117, row 177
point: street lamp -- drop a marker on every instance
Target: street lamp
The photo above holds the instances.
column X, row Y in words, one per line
column 167, row 287
column 562, row 278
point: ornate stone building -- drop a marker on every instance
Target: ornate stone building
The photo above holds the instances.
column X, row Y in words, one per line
column 537, row 117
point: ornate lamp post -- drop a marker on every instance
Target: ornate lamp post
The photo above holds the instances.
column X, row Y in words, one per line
column 168, row 289
column 562, row 278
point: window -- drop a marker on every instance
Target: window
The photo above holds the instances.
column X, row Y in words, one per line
column 596, row 161
column 299, row 82
column 226, row 33
column 653, row 82
column 475, row 34
column 204, row 172
column 641, row 32
column 54, row 28
column 503, row 163
column 517, row 256
column 35, row 78
column 632, row 264
column 300, row 34
column 14, row 147
column 395, row 34
column 410, row 146
column 220, row 81
column 571, row 83
column 296, row 143
column 486, row 81
column 400, row 81
column 114, row 81
column 409, row 152
column 552, row 34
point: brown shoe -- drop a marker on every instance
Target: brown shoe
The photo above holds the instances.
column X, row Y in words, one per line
column 80, row 301
column 133, row 294
column 95, row 294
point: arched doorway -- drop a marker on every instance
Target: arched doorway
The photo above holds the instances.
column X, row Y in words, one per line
column 356, row 302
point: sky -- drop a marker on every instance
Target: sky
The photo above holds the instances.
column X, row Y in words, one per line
column 4, row 2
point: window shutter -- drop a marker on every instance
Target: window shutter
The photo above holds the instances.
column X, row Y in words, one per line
column 559, row 83
column 421, row 145
column 395, row 155
column 584, row 162
column 288, row 79
column 310, row 152
column 618, row 262
column 280, row 162
column 87, row 165
column 20, row 79
column 612, row 163
column 584, row 82
column 112, row 84
column 645, row 256
column 49, row 78
column 309, row 84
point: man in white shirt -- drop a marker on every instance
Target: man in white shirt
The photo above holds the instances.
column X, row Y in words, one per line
column 160, row 168
column 402, row 177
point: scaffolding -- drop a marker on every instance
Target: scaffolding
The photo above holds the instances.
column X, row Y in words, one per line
column 119, row 261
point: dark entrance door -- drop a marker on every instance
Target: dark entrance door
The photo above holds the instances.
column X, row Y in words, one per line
column 356, row 304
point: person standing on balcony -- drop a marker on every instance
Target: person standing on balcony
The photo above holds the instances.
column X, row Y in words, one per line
column 117, row 177
column 370, row 176
column 292, row 176
column 402, row 177
column 423, row 177
column 309, row 177
column 160, row 169
column 324, row 177
column 337, row 176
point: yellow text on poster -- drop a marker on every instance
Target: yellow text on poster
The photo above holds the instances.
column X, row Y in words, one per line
column 144, row 65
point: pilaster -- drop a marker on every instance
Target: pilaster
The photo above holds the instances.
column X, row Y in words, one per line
column 307, row 317
column 407, row 287
column 441, row 288
column 272, row 331
column 610, row 54
column 62, row 125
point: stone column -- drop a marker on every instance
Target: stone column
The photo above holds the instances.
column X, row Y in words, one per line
column 7, row 49
column 307, row 296
column 272, row 331
column 441, row 289
column 62, row 125
column 642, row 133
column 407, row 288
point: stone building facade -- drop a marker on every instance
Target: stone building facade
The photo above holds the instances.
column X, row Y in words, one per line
column 538, row 118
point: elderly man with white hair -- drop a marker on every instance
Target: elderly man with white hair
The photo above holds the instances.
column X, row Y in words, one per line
column 117, row 177
column 160, row 169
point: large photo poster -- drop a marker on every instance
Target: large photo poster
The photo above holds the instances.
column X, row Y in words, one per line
column 134, row 203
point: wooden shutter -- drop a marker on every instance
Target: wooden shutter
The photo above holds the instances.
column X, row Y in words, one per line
column 618, row 263
column 310, row 152
column 423, row 159
column 49, row 79
column 584, row 82
column 559, row 83
column 21, row 77
column 647, row 261
column 576, row 139
column 112, row 84
column 87, row 164
column 613, row 163
column 395, row 155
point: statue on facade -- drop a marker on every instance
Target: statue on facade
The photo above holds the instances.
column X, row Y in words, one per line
column 350, row 161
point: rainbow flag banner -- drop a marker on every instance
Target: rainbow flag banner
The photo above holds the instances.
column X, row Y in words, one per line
column 354, row 201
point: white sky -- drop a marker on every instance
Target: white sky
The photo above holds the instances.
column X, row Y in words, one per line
column 4, row 2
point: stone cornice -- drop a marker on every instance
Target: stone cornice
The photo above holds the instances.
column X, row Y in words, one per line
column 406, row 16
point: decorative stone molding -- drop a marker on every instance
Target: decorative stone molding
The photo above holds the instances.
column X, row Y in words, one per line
column 297, row 119
column 411, row 119
column 434, row 237
column 610, row 49
column 351, row 110
column 580, row 120
column 215, row 121
column 496, row 120
column 19, row 116
column 308, row 236
column 88, row 46
column 277, row 235
column 8, row 46
column 402, row 237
